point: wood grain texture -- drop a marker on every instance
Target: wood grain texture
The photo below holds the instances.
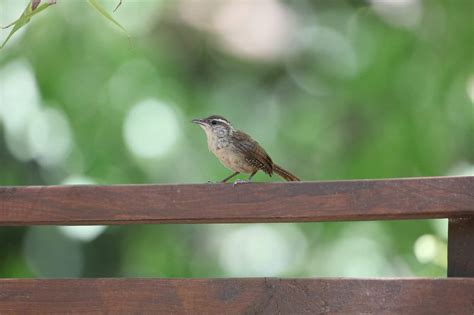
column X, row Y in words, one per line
column 237, row 296
column 416, row 198
column 461, row 247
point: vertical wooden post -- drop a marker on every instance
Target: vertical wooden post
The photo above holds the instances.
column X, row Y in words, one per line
column 461, row 247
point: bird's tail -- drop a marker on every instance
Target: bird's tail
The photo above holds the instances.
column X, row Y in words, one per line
column 285, row 174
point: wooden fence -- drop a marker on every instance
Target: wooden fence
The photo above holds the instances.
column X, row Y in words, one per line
column 417, row 198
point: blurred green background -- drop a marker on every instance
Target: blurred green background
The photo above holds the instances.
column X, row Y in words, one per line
column 332, row 89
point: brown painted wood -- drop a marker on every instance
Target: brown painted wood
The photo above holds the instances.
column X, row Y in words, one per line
column 416, row 198
column 237, row 296
column 461, row 247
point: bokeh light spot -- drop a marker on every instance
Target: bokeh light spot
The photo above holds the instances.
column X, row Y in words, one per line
column 78, row 180
column 357, row 256
column 238, row 25
column 151, row 129
column 406, row 13
column 49, row 137
column 470, row 89
column 19, row 95
column 85, row 233
column 425, row 248
column 261, row 250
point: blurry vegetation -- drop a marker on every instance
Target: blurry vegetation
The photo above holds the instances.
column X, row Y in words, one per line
column 35, row 6
column 332, row 90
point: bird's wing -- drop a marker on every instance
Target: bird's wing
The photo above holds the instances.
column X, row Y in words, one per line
column 253, row 152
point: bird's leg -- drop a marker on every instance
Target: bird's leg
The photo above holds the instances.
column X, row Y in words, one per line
column 239, row 181
column 251, row 175
column 227, row 178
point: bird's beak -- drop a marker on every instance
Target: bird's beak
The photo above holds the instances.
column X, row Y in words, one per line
column 198, row 122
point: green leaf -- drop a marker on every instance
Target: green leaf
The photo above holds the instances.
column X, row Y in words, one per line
column 24, row 18
column 118, row 5
column 105, row 14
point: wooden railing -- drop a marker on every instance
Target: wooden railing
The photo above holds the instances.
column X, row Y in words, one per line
column 417, row 198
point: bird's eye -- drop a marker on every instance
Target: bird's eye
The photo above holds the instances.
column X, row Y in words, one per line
column 213, row 122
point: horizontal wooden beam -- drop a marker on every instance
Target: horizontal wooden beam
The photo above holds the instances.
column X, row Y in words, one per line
column 414, row 198
column 237, row 296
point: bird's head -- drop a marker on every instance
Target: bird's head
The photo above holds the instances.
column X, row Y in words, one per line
column 215, row 125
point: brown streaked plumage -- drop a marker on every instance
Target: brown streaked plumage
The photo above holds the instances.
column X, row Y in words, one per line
column 237, row 151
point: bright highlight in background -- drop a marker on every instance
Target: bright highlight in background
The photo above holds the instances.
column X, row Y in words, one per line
column 261, row 250
column 78, row 180
column 150, row 129
column 50, row 137
column 83, row 233
column 32, row 131
column 425, row 248
column 405, row 13
column 19, row 97
column 470, row 88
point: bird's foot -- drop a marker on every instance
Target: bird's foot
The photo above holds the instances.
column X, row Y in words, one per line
column 241, row 181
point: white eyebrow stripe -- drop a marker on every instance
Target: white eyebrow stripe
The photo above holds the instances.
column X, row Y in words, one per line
column 221, row 120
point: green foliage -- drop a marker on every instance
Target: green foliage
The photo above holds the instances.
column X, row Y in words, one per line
column 95, row 4
column 33, row 8
column 347, row 94
column 23, row 19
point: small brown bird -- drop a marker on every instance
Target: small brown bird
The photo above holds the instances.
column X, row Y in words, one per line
column 237, row 151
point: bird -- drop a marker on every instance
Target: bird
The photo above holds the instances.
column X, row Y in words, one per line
column 237, row 151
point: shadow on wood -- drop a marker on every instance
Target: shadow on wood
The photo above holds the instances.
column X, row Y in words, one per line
column 461, row 247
